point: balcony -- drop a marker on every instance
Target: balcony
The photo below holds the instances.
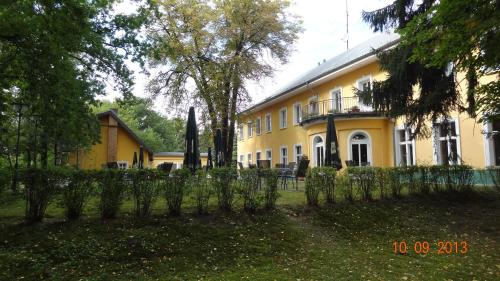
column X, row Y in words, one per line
column 347, row 107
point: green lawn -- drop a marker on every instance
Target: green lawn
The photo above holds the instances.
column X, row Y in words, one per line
column 347, row 241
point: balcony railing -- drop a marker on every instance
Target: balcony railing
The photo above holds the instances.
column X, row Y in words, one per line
column 334, row 106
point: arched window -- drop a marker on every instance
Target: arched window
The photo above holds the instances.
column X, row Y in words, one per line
column 360, row 149
column 318, row 151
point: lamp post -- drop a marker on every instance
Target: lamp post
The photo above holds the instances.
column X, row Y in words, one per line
column 18, row 108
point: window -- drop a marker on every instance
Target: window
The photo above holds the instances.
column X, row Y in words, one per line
column 283, row 115
column 123, row 165
column 363, row 85
column 405, row 148
column 446, row 142
column 284, row 155
column 249, row 159
column 250, row 129
column 257, row 156
column 268, row 122
column 257, row 126
column 242, row 159
column 240, row 131
column 360, row 149
column 297, row 113
column 298, row 152
column 492, row 143
column 336, row 100
column 269, row 155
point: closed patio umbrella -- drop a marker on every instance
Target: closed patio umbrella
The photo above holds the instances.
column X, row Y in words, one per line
column 141, row 157
column 332, row 157
column 210, row 164
column 134, row 160
column 219, row 149
column 191, row 146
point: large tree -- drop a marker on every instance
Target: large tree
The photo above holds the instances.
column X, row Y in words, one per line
column 56, row 57
column 206, row 51
column 439, row 40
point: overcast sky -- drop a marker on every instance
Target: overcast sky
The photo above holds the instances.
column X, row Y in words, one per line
column 324, row 23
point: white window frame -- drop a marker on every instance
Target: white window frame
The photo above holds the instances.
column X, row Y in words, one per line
column 368, row 149
column 489, row 145
column 258, row 126
column 283, row 125
column 249, row 129
column 240, row 131
column 242, row 159
column 359, row 82
column 258, row 152
column 269, row 126
column 122, row 165
column 296, row 156
column 271, row 153
column 249, row 159
column 406, row 142
column 437, row 146
column 297, row 114
column 283, row 156
column 333, row 104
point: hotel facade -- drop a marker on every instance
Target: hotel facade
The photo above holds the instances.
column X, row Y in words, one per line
column 292, row 122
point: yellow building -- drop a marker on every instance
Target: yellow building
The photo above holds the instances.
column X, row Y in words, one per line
column 117, row 144
column 175, row 157
column 292, row 122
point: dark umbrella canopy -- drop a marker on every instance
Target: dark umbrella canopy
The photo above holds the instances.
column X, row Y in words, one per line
column 332, row 157
column 210, row 164
column 141, row 157
column 191, row 146
column 134, row 161
column 219, row 149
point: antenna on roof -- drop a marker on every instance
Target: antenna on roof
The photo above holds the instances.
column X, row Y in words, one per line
column 347, row 25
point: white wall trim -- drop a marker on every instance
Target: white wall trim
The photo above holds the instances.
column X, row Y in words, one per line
column 369, row 148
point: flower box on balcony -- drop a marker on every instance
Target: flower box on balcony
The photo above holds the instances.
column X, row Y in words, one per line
column 354, row 109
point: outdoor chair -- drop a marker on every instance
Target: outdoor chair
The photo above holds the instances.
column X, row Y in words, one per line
column 300, row 172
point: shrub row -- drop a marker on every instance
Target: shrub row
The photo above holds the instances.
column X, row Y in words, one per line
column 75, row 187
column 363, row 182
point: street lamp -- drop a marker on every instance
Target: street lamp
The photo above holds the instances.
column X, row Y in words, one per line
column 18, row 107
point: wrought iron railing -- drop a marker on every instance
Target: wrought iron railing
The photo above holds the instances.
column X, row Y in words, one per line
column 334, row 106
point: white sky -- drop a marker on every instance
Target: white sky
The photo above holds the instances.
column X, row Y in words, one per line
column 324, row 24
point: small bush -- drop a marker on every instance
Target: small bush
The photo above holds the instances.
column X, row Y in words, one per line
column 461, row 177
column 174, row 190
column 436, row 177
column 345, row 185
column 41, row 184
column 494, row 175
column 313, row 187
column 364, row 177
column 327, row 182
column 222, row 183
column 248, row 189
column 271, row 188
column 112, row 185
column 423, row 183
column 382, row 181
column 410, row 178
column 145, row 189
column 394, row 176
column 79, row 188
column 201, row 190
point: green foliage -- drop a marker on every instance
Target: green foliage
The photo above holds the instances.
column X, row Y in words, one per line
column 344, row 183
column 41, row 185
column 74, row 195
column 219, row 46
column 327, row 182
column 5, row 179
column 174, row 188
column 382, row 181
column 201, row 189
column 494, row 174
column 145, row 189
column 223, row 184
column 248, row 189
column 313, row 186
column 270, row 187
column 112, row 185
column 395, row 179
column 364, row 179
